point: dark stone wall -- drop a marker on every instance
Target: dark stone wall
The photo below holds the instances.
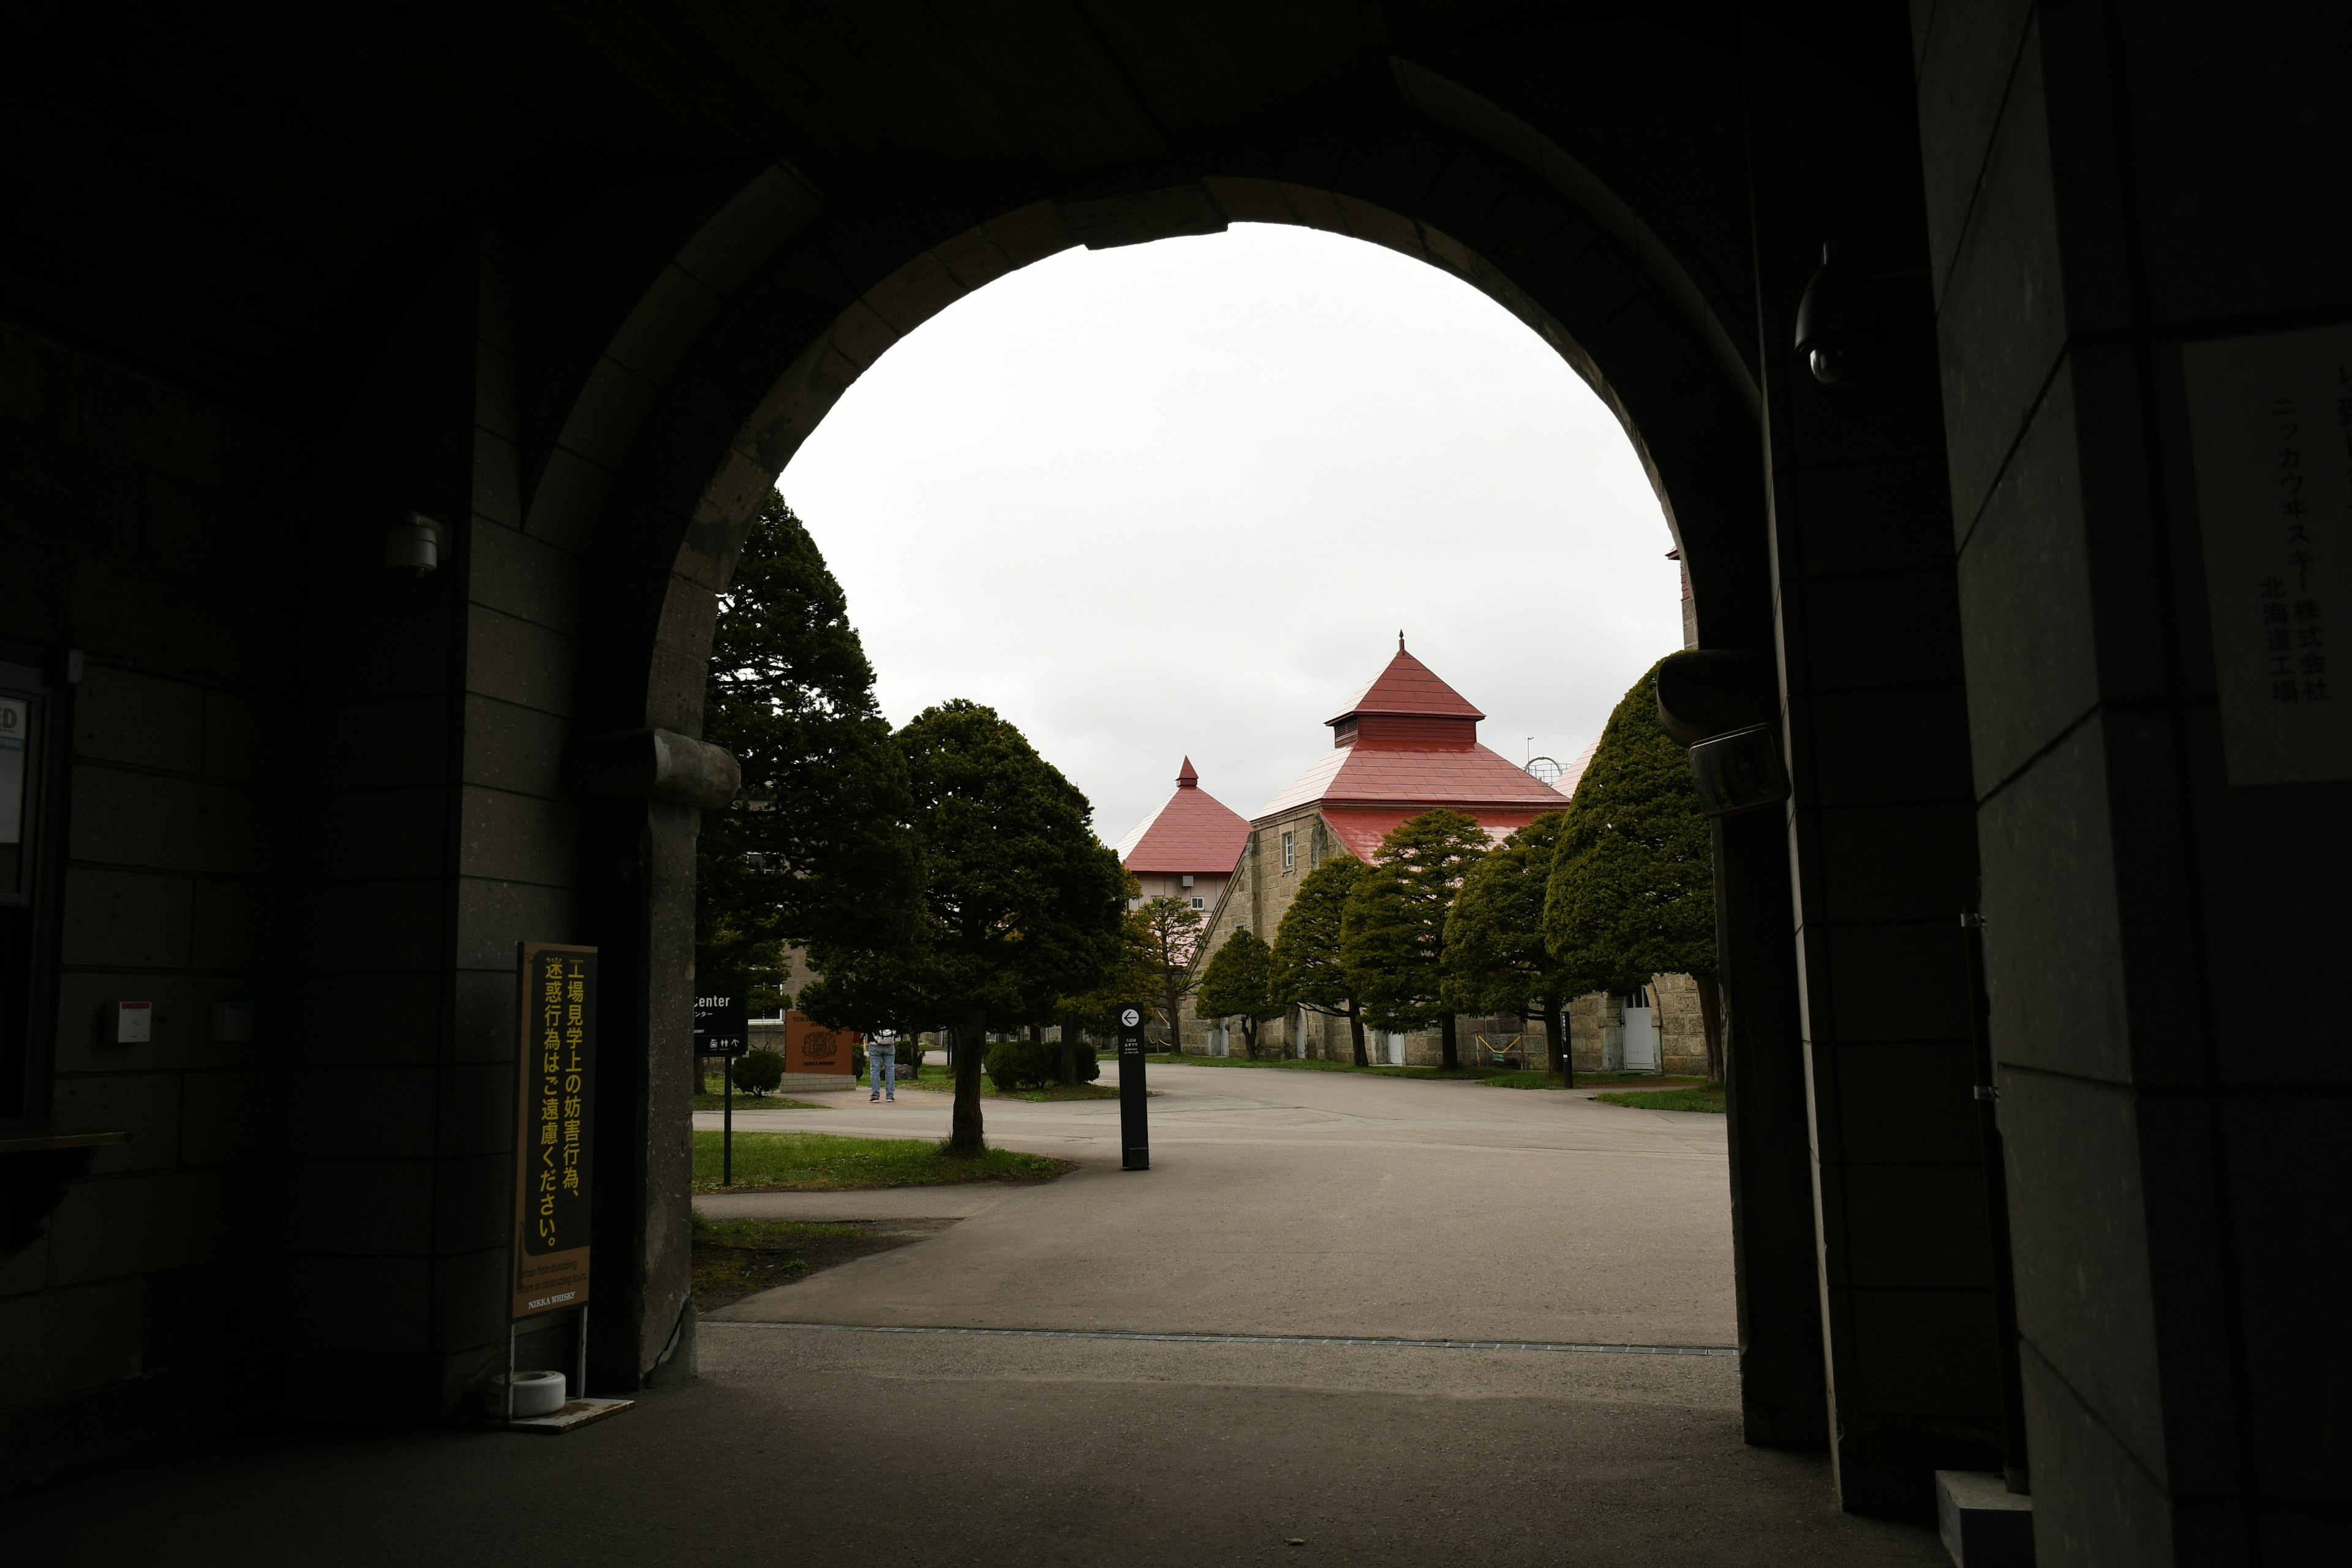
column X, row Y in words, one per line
column 1878, row 842
column 2165, row 950
column 142, row 526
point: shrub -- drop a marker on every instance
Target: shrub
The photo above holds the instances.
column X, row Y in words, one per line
column 857, row 1062
column 1016, row 1065
column 758, row 1071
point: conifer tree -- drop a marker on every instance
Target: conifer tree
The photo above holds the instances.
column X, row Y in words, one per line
column 1496, row 960
column 818, row 847
column 1393, row 933
column 1240, row 984
column 1308, row 969
column 1632, row 882
column 1022, row 903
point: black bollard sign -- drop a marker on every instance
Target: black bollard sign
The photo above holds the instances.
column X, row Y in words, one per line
column 722, row 1028
column 1134, row 1129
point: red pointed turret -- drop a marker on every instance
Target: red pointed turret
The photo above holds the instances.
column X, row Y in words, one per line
column 1405, row 743
column 1193, row 834
column 1407, row 704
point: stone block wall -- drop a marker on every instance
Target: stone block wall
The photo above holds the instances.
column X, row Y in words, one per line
column 137, row 531
column 1596, row 1025
column 1682, row 1024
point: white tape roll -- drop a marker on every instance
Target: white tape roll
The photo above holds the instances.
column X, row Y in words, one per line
column 535, row 1394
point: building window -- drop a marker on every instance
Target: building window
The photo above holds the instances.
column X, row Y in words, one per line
column 1199, row 903
column 1289, row 853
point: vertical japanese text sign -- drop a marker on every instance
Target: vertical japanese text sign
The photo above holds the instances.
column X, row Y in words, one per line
column 2270, row 423
column 555, row 1099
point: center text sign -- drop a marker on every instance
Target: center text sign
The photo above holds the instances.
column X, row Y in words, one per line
column 555, row 1089
column 722, row 1025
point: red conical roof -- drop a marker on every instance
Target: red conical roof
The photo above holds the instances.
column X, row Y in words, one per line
column 1191, row 833
column 1415, row 748
column 1407, row 687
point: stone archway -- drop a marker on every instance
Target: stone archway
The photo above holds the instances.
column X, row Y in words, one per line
column 1686, row 404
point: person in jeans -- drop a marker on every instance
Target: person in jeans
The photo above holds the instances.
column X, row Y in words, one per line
column 882, row 1066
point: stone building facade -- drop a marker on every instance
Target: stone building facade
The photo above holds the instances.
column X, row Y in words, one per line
column 1405, row 744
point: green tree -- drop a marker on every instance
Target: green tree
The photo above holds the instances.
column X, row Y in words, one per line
column 1308, row 969
column 1496, row 960
column 1393, row 931
column 1633, row 881
column 1171, row 932
column 1133, row 978
column 1239, row 984
column 1021, row 901
column 818, row 847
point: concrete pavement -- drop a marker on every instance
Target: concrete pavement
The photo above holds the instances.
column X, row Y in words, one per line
column 850, row 1448
column 1297, row 1203
column 1279, row 1204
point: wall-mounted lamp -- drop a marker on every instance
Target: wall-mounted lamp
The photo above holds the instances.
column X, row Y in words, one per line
column 413, row 544
column 1740, row 772
column 1724, row 704
column 1837, row 324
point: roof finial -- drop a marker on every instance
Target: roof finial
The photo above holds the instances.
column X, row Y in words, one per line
column 1400, row 639
column 1186, row 778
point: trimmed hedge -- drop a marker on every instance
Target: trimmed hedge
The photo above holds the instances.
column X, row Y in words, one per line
column 1016, row 1065
column 758, row 1071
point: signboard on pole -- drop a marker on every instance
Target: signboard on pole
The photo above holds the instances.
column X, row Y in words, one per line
column 1134, row 1130
column 722, row 1025
column 810, row 1047
column 555, row 1111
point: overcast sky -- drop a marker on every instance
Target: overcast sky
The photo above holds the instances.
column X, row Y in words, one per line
column 1180, row 497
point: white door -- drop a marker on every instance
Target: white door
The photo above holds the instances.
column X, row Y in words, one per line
column 1641, row 1033
column 1393, row 1048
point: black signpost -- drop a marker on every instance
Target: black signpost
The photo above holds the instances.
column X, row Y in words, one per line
column 722, row 1028
column 1134, row 1129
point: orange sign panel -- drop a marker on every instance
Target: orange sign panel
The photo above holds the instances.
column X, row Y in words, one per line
column 810, row 1047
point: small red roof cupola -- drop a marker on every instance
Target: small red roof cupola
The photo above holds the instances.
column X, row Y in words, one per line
column 1193, row 833
column 1406, row 705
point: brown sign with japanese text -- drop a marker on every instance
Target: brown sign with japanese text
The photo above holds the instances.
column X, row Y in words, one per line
column 810, row 1047
column 555, row 1087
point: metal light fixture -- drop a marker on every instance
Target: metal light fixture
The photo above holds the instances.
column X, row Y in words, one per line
column 413, row 545
column 1724, row 704
column 1740, row 772
column 1837, row 324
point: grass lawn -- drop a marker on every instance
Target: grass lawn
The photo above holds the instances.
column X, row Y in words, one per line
column 825, row 1162
column 712, row 1099
column 1697, row 1097
column 738, row 1257
column 733, row 1258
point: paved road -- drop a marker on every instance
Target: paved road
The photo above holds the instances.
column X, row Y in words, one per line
column 1279, row 1202
column 1297, row 1203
